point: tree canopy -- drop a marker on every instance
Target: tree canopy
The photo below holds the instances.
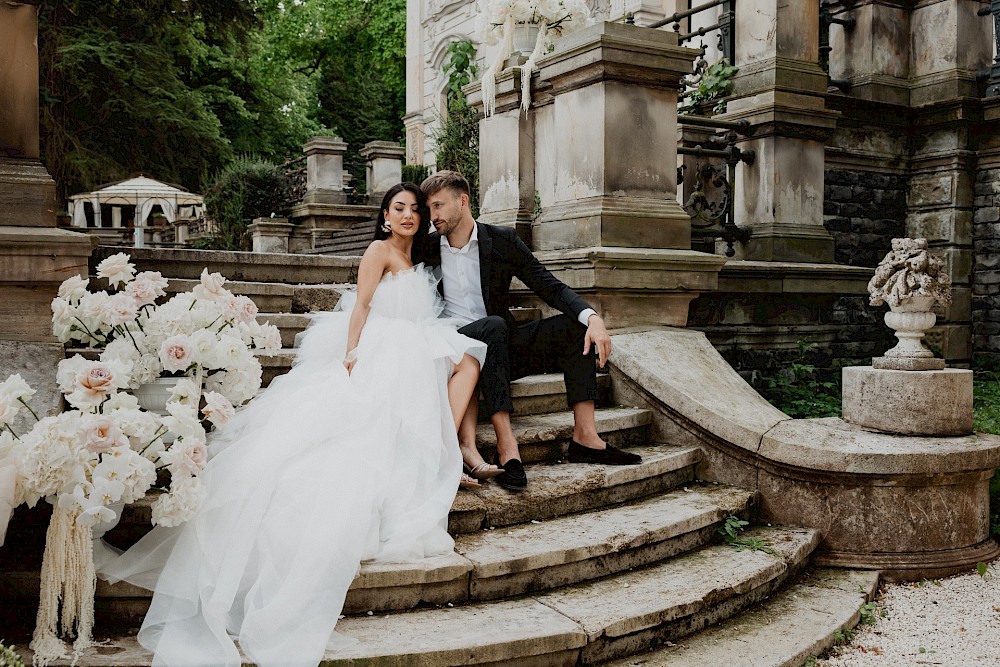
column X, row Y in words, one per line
column 178, row 89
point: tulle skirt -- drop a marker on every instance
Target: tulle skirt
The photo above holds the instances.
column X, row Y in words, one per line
column 321, row 471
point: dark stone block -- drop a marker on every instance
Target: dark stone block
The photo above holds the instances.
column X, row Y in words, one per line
column 861, row 194
column 830, row 207
column 840, row 193
column 836, row 224
column 851, row 210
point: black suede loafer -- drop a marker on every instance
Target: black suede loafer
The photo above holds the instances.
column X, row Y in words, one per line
column 608, row 456
column 513, row 477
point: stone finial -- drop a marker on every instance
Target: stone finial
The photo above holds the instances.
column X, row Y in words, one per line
column 910, row 280
column 908, row 271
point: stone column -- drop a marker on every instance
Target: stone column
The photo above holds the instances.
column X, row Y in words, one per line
column 598, row 148
column 507, row 176
column 270, row 234
column 35, row 256
column 780, row 88
column 614, row 137
column 384, row 167
column 325, row 170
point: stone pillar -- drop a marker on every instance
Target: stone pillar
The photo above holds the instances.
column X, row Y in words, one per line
column 598, row 148
column 507, row 178
column 270, row 234
column 325, row 170
column 780, row 89
column 614, row 138
column 644, row 12
column 384, row 167
column 182, row 230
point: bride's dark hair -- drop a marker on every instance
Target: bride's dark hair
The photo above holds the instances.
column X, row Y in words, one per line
column 421, row 240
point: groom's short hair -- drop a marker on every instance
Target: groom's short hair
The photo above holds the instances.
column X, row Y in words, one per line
column 451, row 180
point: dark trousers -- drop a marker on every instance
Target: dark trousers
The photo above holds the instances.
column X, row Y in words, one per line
column 551, row 345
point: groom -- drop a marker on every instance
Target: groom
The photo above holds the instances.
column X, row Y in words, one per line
column 477, row 262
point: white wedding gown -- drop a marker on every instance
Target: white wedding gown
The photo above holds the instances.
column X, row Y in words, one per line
column 321, row 471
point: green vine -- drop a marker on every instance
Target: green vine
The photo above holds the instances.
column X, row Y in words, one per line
column 458, row 137
column 714, row 84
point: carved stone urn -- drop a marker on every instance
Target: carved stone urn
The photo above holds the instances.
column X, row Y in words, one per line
column 910, row 319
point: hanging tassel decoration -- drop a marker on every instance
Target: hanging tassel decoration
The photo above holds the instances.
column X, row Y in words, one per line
column 504, row 49
column 68, row 577
column 528, row 67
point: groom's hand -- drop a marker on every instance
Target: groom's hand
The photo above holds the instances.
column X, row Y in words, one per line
column 597, row 336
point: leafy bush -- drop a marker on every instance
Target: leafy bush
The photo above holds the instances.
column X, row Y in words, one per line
column 801, row 390
column 713, row 85
column 247, row 188
column 415, row 173
column 458, row 137
column 986, row 419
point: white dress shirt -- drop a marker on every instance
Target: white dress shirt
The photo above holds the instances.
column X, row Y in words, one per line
column 463, row 286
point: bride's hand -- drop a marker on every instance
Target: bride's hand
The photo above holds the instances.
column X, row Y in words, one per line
column 350, row 359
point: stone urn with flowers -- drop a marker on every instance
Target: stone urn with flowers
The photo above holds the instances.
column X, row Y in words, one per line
column 911, row 280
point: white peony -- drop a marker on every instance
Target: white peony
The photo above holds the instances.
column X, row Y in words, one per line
column 73, row 288
column 185, row 392
column 218, row 409
column 9, row 409
column 121, row 308
column 176, row 353
column 117, row 269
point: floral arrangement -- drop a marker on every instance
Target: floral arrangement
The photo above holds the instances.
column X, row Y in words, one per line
column 208, row 330
column 106, row 450
column 497, row 21
column 907, row 271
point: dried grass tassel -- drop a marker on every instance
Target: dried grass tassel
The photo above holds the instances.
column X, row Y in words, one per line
column 528, row 67
column 489, row 84
column 68, row 577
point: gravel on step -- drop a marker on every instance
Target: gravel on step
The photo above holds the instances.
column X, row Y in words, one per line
column 953, row 622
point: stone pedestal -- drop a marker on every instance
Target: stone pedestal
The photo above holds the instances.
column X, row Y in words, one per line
column 612, row 135
column 384, row 167
column 270, row 234
column 325, row 170
column 937, row 402
column 780, row 89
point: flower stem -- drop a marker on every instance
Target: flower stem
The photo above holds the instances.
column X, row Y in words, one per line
column 22, row 402
column 160, row 432
column 105, row 341
column 7, row 426
column 136, row 345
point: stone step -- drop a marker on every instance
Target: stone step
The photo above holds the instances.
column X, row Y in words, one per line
column 785, row 631
column 544, row 393
column 269, row 297
column 581, row 624
column 572, row 548
column 546, row 437
column 246, row 266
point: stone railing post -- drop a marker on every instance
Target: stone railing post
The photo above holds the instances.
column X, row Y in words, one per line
column 270, row 234
column 325, row 170
column 384, row 167
column 780, row 89
column 35, row 256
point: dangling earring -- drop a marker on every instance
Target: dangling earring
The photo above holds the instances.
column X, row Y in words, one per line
column 386, row 227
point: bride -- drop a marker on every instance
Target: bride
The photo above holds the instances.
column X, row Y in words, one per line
column 352, row 455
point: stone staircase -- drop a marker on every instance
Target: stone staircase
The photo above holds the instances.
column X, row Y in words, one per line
column 590, row 565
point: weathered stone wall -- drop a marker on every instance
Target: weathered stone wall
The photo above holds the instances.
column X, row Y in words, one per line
column 986, row 264
column 863, row 211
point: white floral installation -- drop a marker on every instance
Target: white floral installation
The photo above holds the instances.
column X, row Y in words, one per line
column 498, row 19
column 106, row 450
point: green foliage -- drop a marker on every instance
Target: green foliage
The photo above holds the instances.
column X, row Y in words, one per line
column 800, row 390
column 986, row 419
column 246, row 189
column 415, row 173
column 8, row 658
column 843, row 635
column 870, row 613
column 732, row 532
column 982, row 569
column 713, row 85
column 458, row 137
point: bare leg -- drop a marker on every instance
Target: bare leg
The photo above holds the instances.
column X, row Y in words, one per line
column 461, row 386
column 585, row 426
column 506, row 442
column 467, row 440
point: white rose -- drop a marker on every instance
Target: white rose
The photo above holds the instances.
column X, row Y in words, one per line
column 9, row 407
column 147, row 287
column 94, row 305
column 203, row 345
column 92, row 381
column 174, row 508
column 186, row 457
column 268, row 339
column 211, row 286
column 218, row 409
column 117, row 269
column 185, row 392
column 246, row 309
column 62, row 312
column 176, row 353
column 100, row 434
column 16, row 388
column 73, row 288
column 121, row 308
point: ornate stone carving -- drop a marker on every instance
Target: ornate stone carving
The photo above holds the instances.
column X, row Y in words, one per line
column 910, row 280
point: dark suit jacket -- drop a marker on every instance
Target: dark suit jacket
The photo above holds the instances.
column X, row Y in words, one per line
column 503, row 256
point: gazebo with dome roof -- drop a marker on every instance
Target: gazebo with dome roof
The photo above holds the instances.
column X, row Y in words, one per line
column 141, row 193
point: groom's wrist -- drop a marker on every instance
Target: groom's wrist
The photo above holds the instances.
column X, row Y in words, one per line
column 584, row 317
